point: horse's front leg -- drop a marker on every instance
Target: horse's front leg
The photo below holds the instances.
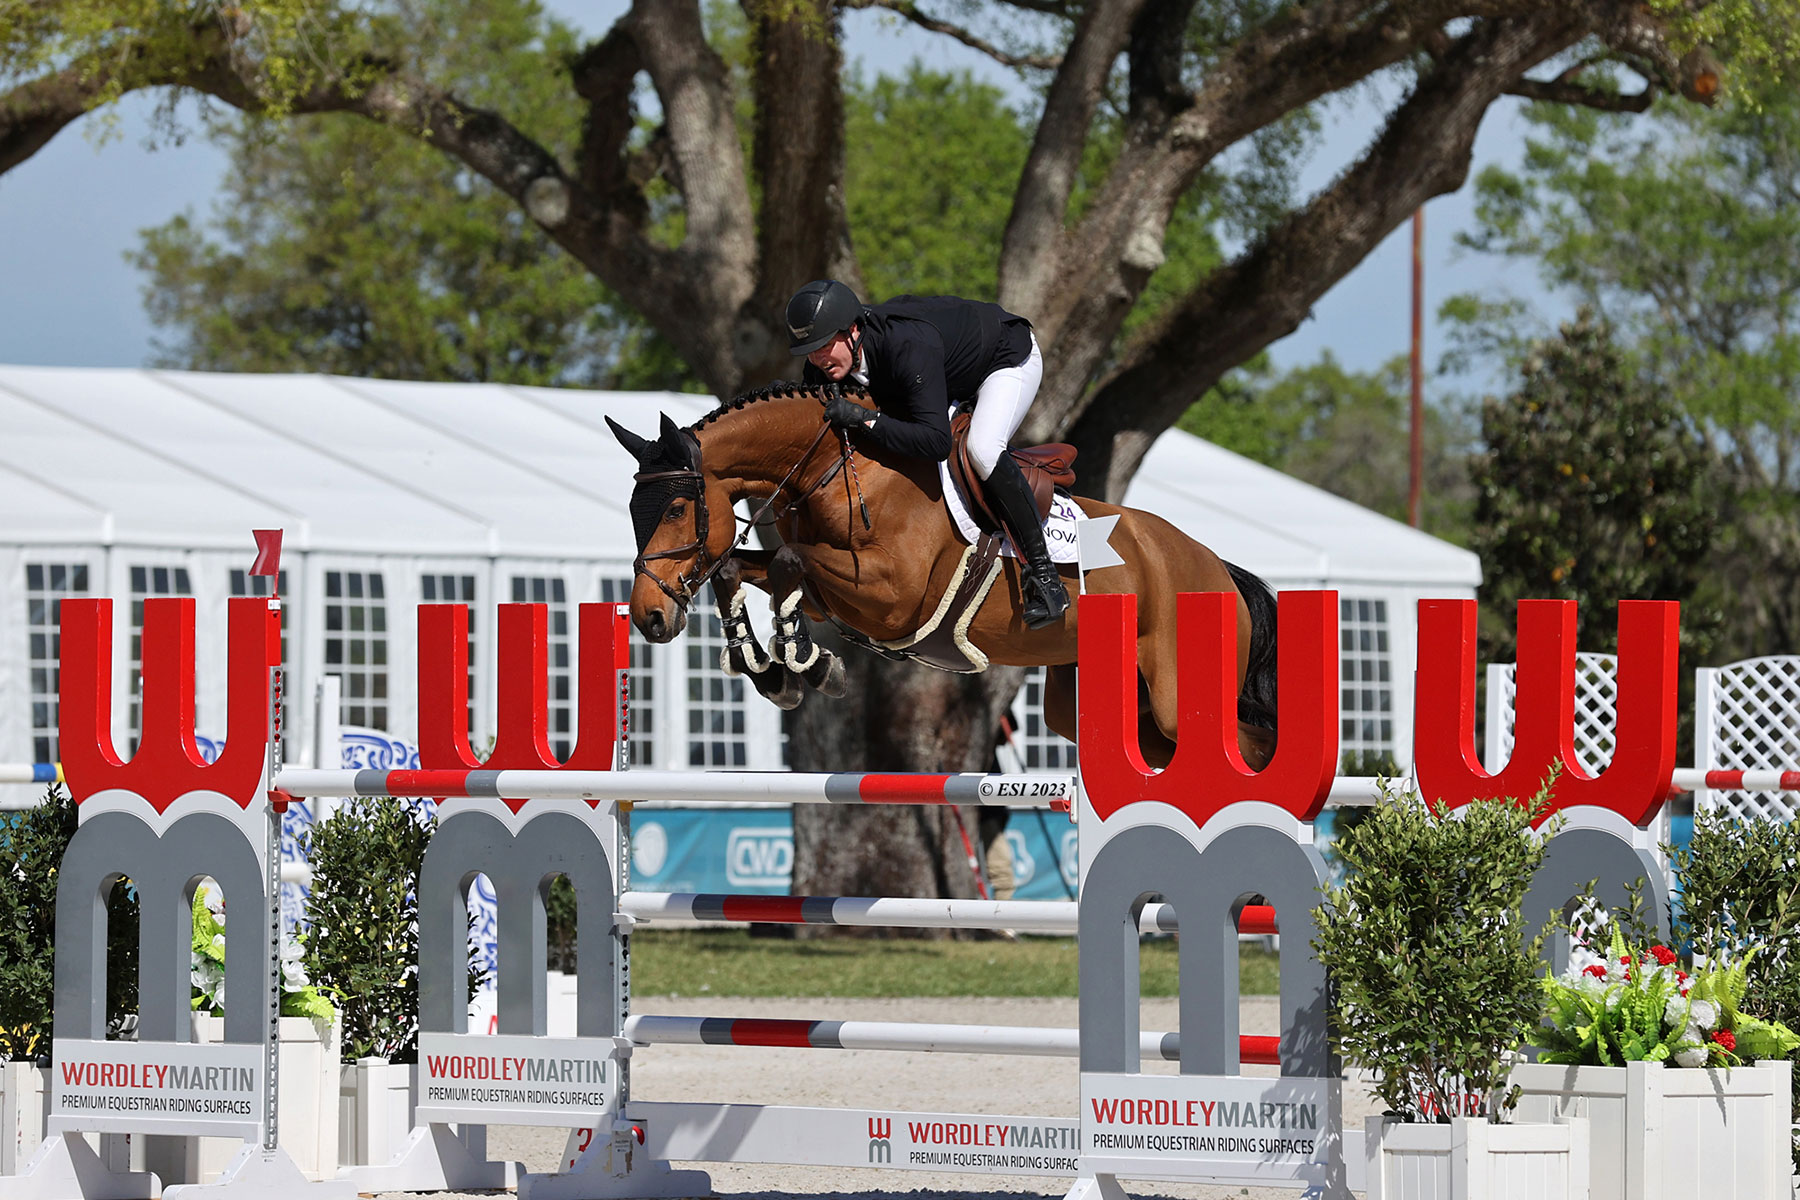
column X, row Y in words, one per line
column 743, row 654
column 791, row 644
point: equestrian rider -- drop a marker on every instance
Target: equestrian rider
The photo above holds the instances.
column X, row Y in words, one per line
column 918, row 356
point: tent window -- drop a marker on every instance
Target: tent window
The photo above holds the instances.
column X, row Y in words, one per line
column 45, row 586
column 145, row 583
column 1365, row 666
column 715, row 700
column 245, row 584
column 1032, row 745
column 552, row 592
column 455, row 589
column 356, row 645
column 640, row 680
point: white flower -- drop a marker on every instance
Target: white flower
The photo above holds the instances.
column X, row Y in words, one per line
column 1704, row 1014
column 1693, row 1056
column 1675, row 1012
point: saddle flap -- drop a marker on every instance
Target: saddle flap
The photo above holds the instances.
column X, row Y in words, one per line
column 1045, row 467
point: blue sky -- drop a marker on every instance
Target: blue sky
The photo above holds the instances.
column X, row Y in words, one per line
column 68, row 297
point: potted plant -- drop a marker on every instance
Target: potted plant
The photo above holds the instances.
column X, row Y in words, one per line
column 1677, row 1070
column 363, row 950
column 1434, row 973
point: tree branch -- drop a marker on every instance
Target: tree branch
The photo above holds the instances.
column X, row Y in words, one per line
column 910, row 11
column 1424, row 151
column 1029, row 264
column 1561, row 91
column 37, row 110
column 605, row 75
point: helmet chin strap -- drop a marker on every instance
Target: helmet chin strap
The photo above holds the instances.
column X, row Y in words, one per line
column 855, row 348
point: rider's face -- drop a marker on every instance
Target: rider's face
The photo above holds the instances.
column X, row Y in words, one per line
column 834, row 357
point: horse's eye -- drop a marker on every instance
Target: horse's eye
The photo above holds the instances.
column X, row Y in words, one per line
column 675, row 512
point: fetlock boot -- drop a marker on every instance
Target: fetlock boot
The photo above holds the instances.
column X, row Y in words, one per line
column 1045, row 596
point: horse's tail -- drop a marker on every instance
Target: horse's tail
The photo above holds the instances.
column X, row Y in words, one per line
column 1256, row 700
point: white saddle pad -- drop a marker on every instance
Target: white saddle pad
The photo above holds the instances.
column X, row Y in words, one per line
column 1059, row 531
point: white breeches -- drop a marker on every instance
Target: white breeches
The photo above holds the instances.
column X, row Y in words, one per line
column 1000, row 406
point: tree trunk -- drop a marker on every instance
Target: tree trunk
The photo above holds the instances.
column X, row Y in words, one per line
column 902, row 849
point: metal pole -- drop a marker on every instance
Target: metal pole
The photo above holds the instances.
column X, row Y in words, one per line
column 1416, row 450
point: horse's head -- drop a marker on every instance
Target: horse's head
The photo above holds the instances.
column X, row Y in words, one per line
column 683, row 523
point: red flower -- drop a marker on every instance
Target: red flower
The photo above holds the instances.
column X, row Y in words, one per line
column 1726, row 1039
column 1626, row 959
column 1663, row 955
column 1597, row 970
column 1681, row 977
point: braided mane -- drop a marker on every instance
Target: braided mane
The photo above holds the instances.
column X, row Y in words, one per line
column 779, row 390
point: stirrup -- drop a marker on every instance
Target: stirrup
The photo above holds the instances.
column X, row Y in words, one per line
column 1048, row 598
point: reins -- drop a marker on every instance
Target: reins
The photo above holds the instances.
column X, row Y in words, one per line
column 705, row 564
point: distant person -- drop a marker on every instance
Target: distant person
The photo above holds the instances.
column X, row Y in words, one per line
column 917, row 357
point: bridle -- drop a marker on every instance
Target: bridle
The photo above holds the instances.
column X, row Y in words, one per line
column 707, row 565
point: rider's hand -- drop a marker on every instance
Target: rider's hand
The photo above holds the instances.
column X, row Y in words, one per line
column 845, row 415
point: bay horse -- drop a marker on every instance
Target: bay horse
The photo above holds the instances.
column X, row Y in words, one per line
column 867, row 543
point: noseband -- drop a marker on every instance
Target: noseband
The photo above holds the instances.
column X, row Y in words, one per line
column 705, row 566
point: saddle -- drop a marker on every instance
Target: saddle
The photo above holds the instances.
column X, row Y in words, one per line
column 943, row 641
column 1045, row 467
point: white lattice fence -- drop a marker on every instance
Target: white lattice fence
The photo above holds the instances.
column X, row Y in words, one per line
column 1747, row 718
column 1596, row 694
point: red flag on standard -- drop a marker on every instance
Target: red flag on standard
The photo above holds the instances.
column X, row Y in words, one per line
column 268, row 553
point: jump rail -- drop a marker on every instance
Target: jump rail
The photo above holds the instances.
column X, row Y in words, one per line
column 1013, row 1040
column 695, row 787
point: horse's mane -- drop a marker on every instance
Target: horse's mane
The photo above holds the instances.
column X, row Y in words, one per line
column 779, row 390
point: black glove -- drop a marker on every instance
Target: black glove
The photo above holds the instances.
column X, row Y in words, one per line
column 845, row 415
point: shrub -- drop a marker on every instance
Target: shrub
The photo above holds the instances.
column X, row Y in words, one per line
column 31, row 850
column 1740, row 891
column 363, row 949
column 1434, row 967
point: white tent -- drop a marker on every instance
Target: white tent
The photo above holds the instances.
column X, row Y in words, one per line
column 135, row 483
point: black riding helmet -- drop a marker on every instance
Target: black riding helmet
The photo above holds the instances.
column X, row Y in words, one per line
column 819, row 312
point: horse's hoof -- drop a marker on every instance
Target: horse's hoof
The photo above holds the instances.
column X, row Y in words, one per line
column 836, row 683
column 790, row 695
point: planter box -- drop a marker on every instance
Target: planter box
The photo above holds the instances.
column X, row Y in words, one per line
column 1469, row 1159
column 24, row 1100
column 1670, row 1133
column 309, row 1109
column 375, row 1104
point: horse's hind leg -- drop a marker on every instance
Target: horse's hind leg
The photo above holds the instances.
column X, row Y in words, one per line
column 743, row 655
column 791, row 644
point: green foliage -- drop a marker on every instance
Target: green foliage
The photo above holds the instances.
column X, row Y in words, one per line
column 1637, row 1005
column 1433, row 962
column 347, row 247
column 32, row 843
column 932, row 160
column 1594, row 487
column 1740, row 891
column 1612, row 1011
column 363, row 950
column 1680, row 227
column 299, row 998
column 1344, row 431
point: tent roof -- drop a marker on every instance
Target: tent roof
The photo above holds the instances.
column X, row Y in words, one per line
column 193, row 459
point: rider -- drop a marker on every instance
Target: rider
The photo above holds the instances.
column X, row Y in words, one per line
column 917, row 356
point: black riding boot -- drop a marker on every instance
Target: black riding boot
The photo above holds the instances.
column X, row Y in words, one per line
column 1045, row 596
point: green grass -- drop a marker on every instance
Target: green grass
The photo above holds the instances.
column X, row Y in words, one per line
column 729, row 962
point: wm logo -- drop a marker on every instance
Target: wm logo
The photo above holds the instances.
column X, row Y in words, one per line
column 881, row 1150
